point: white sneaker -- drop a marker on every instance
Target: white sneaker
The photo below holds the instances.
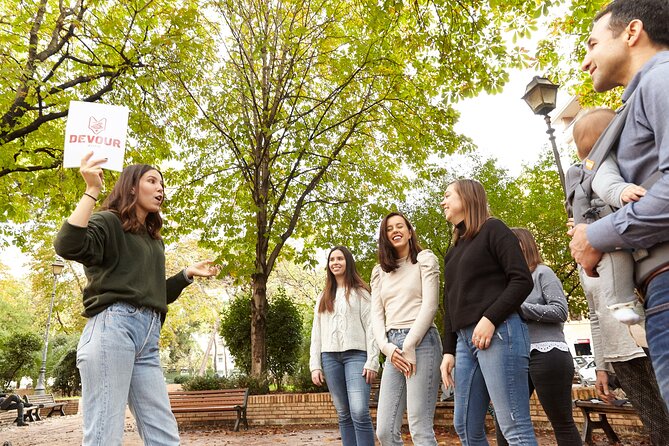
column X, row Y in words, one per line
column 629, row 313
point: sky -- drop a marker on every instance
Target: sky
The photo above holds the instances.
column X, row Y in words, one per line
column 504, row 127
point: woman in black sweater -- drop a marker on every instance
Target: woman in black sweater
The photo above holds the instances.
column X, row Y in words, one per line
column 486, row 281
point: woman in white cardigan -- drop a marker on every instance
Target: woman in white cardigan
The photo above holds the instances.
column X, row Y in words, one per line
column 343, row 350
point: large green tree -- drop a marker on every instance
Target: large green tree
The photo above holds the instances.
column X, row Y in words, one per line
column 321, row 110
column 53, row 52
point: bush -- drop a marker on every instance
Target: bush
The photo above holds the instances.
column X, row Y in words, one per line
column 67, row 381
column 207, row 382
column 256, row 386
column 284, row 323
column 180, row 379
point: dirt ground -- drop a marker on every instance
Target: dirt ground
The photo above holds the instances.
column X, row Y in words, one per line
column 66, row 431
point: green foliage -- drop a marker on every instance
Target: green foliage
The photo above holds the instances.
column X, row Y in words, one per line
column 18, row 354
column 67, row 381
column 235, row 328
column 283, row 345
column 256, row 386
column 284, row 322
column 180, row 379
column 207, row 382
column 561, row 53
column 53, row 52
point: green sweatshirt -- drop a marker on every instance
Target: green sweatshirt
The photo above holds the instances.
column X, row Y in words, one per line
column 120, row 266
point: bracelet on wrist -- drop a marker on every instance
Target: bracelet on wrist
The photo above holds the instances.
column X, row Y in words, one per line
column 91, row 196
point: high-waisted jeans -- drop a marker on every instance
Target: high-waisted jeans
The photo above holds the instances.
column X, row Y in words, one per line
column 350, row 395
column 118, row 360
column 498, row 373
column 416, row 394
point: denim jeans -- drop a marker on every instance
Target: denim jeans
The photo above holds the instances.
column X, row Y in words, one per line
column 118, row 360
column 417, row 394
column 350, row 395
column 657, row 321
column 551, row 374
column 498, row 373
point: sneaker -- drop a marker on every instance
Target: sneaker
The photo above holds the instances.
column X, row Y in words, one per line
column 628, row 313
column 28, row 404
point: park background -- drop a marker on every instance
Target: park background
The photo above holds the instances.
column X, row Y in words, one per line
column 282, row 128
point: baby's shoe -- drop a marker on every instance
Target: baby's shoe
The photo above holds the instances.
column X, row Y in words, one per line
column 628, row 313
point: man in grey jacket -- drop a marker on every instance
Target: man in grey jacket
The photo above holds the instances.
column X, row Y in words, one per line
column 629, row 46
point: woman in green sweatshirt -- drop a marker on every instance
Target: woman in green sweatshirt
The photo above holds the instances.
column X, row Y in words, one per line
column 125, row 301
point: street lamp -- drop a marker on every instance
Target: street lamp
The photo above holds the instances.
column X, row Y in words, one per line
column 541, row 96
column 56, row 268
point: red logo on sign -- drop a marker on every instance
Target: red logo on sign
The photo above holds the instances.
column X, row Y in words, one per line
column 97, row 126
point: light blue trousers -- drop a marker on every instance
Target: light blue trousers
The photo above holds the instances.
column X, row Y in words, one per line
column 118, row 360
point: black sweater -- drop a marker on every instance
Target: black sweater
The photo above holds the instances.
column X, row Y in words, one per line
column 484, row 276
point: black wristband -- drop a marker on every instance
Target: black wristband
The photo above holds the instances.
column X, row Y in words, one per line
column 91, row 196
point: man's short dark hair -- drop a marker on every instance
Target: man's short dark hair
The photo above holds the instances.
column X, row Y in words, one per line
column 654, row 14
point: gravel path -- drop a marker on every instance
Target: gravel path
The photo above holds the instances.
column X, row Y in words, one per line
column 66, row 431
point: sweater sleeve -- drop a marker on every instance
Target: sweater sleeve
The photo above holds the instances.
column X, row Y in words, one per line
column 378, row 314
column 608, row 184
column 506, row 250
column 84, row 245
column 315, row 346
column 552, row 307
column 372, row 362
column 429, row 276
column 175, row 285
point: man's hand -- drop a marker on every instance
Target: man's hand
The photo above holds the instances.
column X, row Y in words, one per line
column 602, row 387
column 582, row 251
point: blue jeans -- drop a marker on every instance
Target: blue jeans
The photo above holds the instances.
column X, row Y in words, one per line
column 350, row 395
column 657, row 322
column 118, row 360
column 498, row 373
column 417, row 394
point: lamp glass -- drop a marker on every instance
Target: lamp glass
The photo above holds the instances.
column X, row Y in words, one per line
column 57, row 267
column 541, row 95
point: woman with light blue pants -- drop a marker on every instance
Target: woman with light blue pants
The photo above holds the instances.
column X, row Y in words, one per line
column 405, row 296
column 343, row 351
column 486, row 280
column 125, row 301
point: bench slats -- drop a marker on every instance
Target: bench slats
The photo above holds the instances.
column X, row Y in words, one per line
column 212, row 401
column 46, row 401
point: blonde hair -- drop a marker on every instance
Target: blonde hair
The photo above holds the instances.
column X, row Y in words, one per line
column 589, row 127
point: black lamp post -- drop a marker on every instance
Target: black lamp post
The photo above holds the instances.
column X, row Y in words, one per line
column 56, row 268
column 541, row 96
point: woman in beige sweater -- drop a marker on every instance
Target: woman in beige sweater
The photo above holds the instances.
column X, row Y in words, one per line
column 405, row 291
column 343, row 350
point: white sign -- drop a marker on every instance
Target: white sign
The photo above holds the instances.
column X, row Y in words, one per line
column 101, row 128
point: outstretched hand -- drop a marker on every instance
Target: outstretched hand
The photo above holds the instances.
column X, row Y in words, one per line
column 203, row 268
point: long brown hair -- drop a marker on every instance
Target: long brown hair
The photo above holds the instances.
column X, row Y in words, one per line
column 352, row 280
column 528, row 245
column 123, row 202
column 386, row 252
column 474, row 205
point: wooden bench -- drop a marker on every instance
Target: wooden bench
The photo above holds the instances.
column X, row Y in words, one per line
column 43, row 402
column 589, row 407
column 225, row 400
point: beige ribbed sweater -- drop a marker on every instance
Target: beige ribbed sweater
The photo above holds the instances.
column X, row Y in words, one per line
column 405, row 298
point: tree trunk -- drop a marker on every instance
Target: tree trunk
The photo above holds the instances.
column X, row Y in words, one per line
column 259, row 325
